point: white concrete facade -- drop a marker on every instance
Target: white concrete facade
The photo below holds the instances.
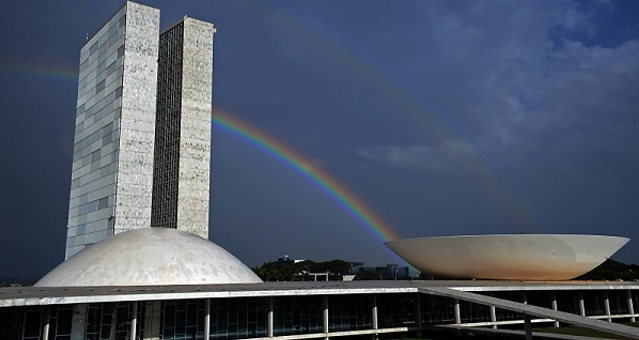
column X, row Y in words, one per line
column 408, row 307
column 508, row 256
column 150, row 256
column 183, row 135
column 115, row 123
column 123, row 92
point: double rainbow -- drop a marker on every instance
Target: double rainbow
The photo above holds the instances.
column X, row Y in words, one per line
column 442, row 133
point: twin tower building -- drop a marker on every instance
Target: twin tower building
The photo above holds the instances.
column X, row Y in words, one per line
column 143, row 128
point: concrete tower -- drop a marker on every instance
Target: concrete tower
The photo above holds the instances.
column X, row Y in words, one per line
column 130, row 172
column 112, row 173
column 181, row 178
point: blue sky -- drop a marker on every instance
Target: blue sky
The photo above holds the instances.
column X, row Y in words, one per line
column 445, row 117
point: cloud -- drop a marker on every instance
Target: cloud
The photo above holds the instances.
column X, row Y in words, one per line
column 536, row 79
column 443, row 158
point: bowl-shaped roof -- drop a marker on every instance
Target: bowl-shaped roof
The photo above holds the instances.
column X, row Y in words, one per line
column 509, row 257
column 150, row 256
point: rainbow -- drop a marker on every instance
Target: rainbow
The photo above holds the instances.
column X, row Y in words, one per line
column 37, row 70
column 305, row 168
column 442, row 133
column 265, row 143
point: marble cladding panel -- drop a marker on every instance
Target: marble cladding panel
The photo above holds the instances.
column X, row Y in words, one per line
column 133, row 159
column 133, row 207
column 139, row 149
column 136, row 140
column 131, row 176
column 138, row 95
column 193, row 151
column 133, row 189
column 131, row 214
column 135, row 175
column 195, row 129
column 143, row 17
column 139, row 120
column 195, row 204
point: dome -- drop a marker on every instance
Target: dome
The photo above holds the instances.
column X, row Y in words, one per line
column 150, row 256
column 508, row 257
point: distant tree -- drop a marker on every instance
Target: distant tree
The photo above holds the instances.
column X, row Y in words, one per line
column 275, row 271
column 334, row 266
column 305, row 266
column 290, row 271
column 612, row 270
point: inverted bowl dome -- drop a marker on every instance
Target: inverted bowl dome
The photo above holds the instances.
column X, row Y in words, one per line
column 508, row 257
column 150, row 256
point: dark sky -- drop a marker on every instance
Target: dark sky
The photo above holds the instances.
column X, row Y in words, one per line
column 445, row 118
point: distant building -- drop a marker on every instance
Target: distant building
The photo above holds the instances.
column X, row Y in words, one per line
column 286, row 259
column 118, row 144
column 355, row 267
column 388, row 272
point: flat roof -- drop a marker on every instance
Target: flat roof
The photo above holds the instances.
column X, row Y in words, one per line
column 537, row 311
column 33, row 296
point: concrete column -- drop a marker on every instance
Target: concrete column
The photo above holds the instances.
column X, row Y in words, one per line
column 528, row 327
column 374, row 313
column 493, row 316
column 78, row 321
column 457, row 312
column 114, row 322
column 631, row 308
column 207, row 319
column 152, row 319
column 45, row 328
column 134, row 320
column 418, row 314
column 554, row 306
column 269, row 319
column 607, row 305
column 582, row 305
column 325, row 314
column 374, row 316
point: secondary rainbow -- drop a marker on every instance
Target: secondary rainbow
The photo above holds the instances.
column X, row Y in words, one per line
column 442, row 133
column 301, row 165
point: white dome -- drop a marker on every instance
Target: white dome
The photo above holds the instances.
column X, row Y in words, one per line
column 150, row 256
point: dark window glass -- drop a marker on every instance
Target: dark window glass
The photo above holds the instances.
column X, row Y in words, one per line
column 32, row 323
